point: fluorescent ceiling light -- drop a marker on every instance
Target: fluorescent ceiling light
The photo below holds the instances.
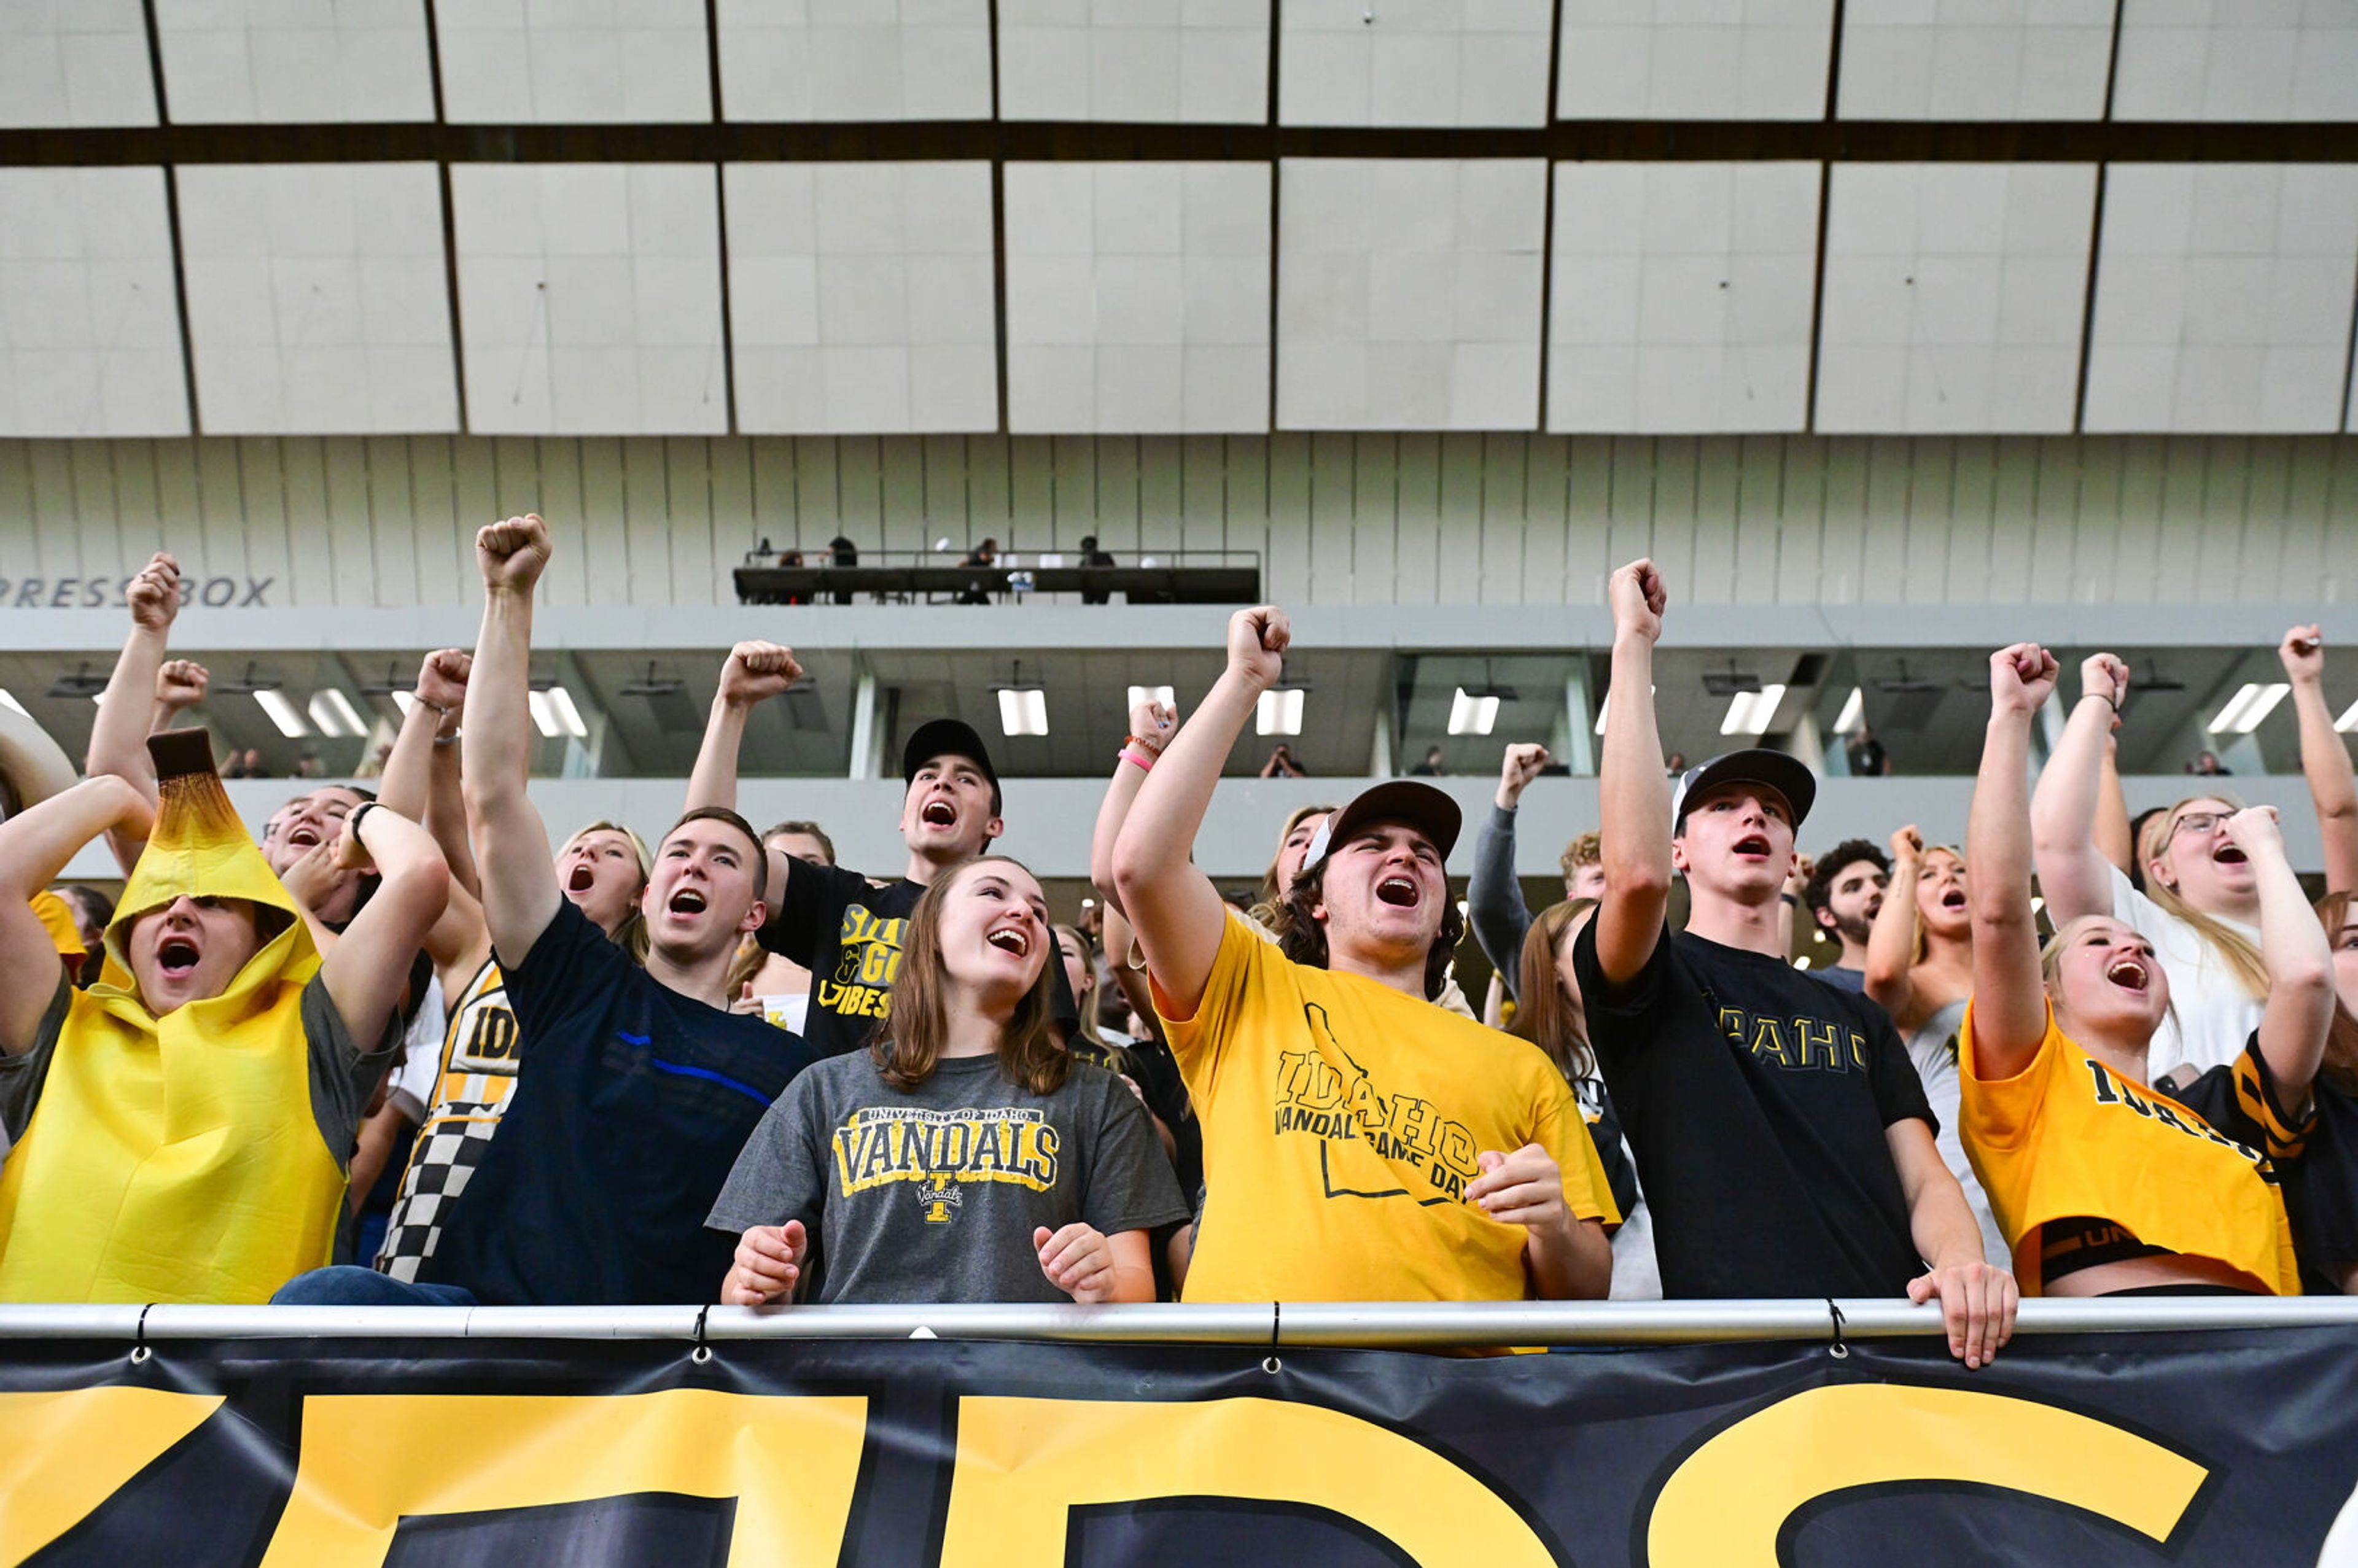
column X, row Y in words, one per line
column 282, row 713
column 8, row 701
column 1750, row 712
column 405, row 700
column 1471, row 714
column 1852, row 711
column 1603, row 709
column 1161, row 693
column 1022, row 711
column 1278, row 711
column 2247, row 707
column 544, row 716
column 561, row 703
column 333, row 712
column 2341, row 726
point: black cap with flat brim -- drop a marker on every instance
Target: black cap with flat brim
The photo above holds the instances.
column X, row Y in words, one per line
column 1404, row 801
column 1788, row 775
column 948, row 738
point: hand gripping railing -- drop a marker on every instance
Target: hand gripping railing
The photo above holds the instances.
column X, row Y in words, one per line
column 1404, row 1325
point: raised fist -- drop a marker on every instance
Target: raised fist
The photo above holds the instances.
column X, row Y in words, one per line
column 181, row 683
column 513, row 554
column 1257, row 643
column 2303, row 654
column 1638, row 598
column 755, row 671
column 154, row 594
column 442, row 679
column 1151, row 725
column 2022, row 677
column 1521, row 765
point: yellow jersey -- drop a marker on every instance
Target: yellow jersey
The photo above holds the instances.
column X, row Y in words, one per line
column 1341, row 1120
column 2189, row 1171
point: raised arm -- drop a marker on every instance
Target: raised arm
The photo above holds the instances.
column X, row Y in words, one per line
column 2010, row 999
column 1177, row 913
column 2116, row 839
column 2072, row 873
column 127, row 709
column 1891, row 942
column 1151, row 725
column 35, row 846
column 365, row 970
column 2299, row 955
column 520, row 891
column 1633, row 791
column 421, row 783
column 751, row 672
column 1494, row 899
column 2324, row 759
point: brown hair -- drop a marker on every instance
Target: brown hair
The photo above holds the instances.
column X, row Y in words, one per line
column 907, row 1041
column 760, row 862
column 2340, row 1067
column 2236, row 950
column 1302, row 938
column 1544, row 1014
column 1588, row 850
column 1086, row 1007
column 806, row 830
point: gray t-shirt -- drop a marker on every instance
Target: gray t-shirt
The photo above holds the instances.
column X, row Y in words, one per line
column 932, row 1195
column 343, row 1076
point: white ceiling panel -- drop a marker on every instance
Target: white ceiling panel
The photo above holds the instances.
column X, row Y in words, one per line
column 855, row 59
column 1440, row 62
column 1682, row 296
column 860, row 297
column 1198, row 61
column 2237, row 59
column 75, row 62
column 591, row 295
column 90, row 335
column 1409, row 292
column 2223, row 297
column 308, row 61
column 1953, row 297
column 319, row 303
column 1694, row 59
column 1976, row 59
column 1138, row 296
column 573, row 63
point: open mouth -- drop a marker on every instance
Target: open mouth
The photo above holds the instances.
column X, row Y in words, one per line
column 1752, row 844
column 939, row 813
column 1399, row 892
column 1008, row 939
column 583, row 879
column 2129, row 974
column 2229, row 855
column 177, row 957
column 687, row 901
column 1953, row 899
column 304, row 837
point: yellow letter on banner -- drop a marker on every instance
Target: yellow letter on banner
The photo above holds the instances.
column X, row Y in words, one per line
column 62, row 1454
column 1022, row 1464
column 1723, row 1506
column 369, row 1459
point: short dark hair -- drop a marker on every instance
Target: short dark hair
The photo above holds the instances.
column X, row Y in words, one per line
column 802, row 829
column 1832, row 864
column 722, row 814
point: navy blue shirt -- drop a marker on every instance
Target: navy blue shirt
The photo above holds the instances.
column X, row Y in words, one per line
column 632, row 1107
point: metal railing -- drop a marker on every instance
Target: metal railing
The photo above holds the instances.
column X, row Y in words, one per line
column 1404, row 1325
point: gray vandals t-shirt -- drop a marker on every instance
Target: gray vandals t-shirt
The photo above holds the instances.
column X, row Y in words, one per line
column 932, row 1195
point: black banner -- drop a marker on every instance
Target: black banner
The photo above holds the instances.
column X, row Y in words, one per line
column 2230, row 1448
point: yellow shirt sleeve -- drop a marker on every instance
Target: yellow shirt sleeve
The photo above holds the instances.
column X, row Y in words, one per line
column 1563, row 1133
column 57, row 918
column 2002, row 1113
column 1199, row 1040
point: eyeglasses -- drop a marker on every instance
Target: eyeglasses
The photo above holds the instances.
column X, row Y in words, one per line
column 2197, row 822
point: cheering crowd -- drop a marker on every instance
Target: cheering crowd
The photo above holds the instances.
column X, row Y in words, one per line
column 727, row 1069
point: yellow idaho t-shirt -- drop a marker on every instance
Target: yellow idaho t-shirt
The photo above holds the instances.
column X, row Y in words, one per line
column 1341, row 1120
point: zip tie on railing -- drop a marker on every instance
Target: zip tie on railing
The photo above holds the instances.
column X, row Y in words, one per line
column 703, row 1352
column 139, row 1351
column 1838, row 1350
column 1270, row 1363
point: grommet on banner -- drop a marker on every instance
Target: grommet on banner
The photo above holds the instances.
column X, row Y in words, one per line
column 139, row 1351
column 703, row 1352
column 1838, row 1350
column 1270, row 1363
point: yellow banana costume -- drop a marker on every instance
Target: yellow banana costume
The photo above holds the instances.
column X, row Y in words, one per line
column 176, row 1159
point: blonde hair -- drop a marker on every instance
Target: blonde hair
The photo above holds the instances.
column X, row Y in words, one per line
column 1085, row 1004
column 2237, row 951
column 1268, row 912
column 1923, row 937
column 907, row 1041
column 631, row 935
column 2051, row 962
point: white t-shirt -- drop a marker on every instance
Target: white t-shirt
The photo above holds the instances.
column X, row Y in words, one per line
column 2211, row 1013
column 412, row 1089
column 786, row 1009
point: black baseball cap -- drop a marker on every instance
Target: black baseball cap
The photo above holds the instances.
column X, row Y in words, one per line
column 1788, row 775
column 1419, row 805
column 948, row 738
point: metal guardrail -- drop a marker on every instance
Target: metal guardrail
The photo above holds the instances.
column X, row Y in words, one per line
column 1404, row 1325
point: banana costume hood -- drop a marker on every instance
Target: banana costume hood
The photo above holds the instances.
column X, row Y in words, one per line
column 177, row 1159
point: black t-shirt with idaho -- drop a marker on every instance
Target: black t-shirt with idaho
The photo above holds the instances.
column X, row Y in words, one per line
column 847, row 933
column 1756, row 1101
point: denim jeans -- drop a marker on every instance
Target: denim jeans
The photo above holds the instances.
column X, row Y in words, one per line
column 348, row 1284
